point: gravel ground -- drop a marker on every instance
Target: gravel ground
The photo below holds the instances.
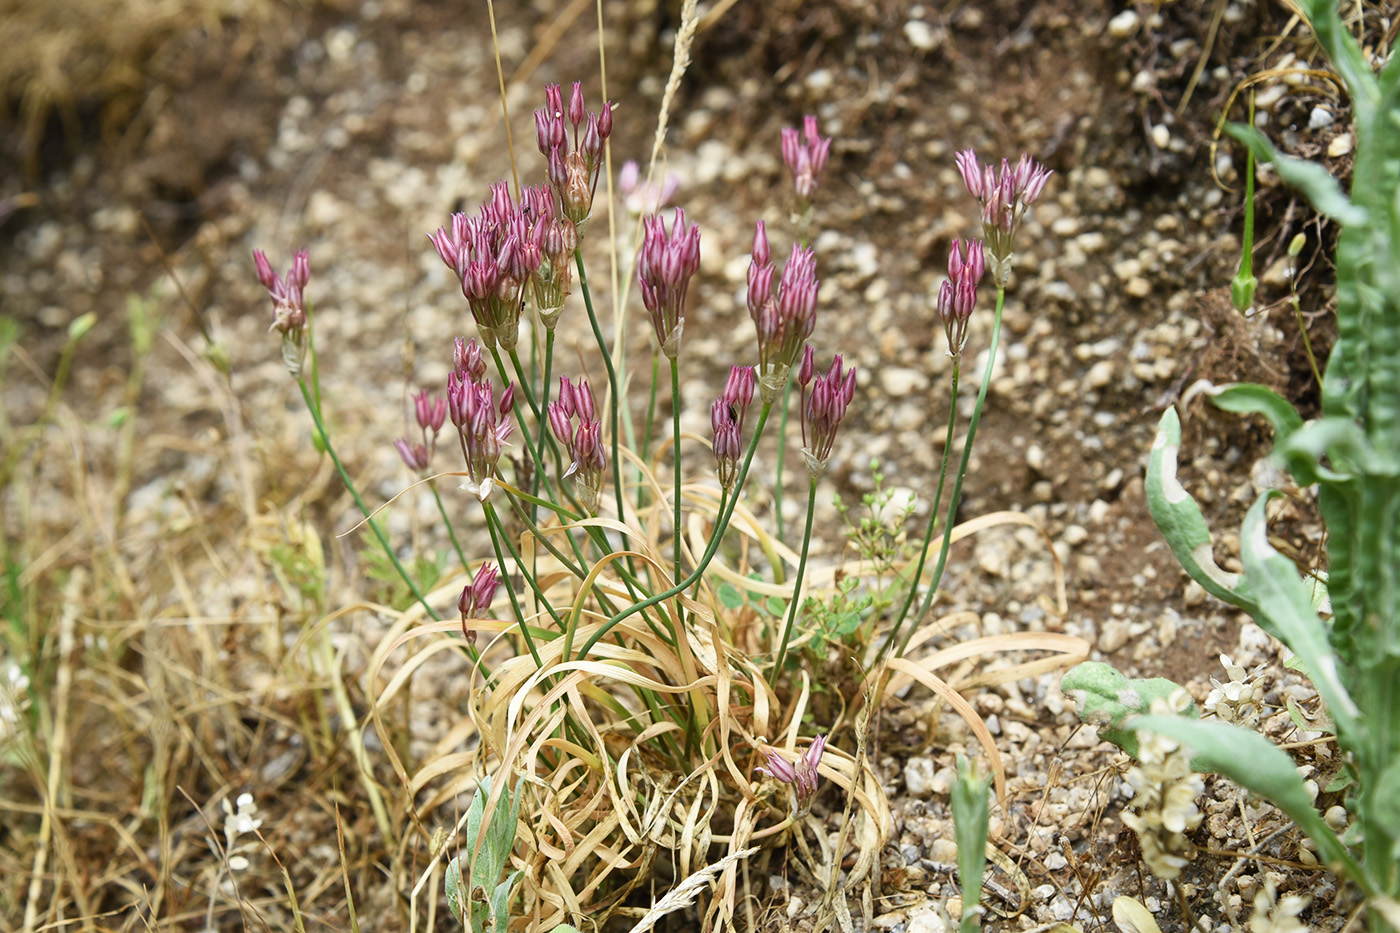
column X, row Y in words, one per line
column 385, row 117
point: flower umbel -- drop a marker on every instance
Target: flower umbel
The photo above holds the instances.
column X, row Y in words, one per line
column 431, row 413
column 665, row 265
column 494, row 253
column 482, row 427
column 801, row 776
column 823, row 408
column 288, row 304
column 1005, row 195
column 785, row 321
column 727, row 419
column 571, row 140
column 805, row 156
column 584, row 443
column 641, row 196
column 957, row 296
column 477, row 596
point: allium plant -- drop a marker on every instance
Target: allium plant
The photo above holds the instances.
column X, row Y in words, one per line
column 614, row 661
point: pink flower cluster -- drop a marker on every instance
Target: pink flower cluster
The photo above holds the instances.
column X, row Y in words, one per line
column 665, row 265
column 783, row 321
column 1005, row 195
column 572, row 141
column 727, row 419
column 823, row 408
column 589, row 458
column 477, row 596
column 430, row 412
column 502, row 247
column 805, row 156
column 957, row 296
column 801, row 776
column 483, row 423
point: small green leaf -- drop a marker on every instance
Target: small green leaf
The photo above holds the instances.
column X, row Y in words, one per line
column 1179, row 519
column 1308, row 177
column 729, row 597
column 1340, row 781
column 971, row 813
column 774, row 605
column 453, row 888
column 81, row 325
column 1252, row 399
column 1106, row 698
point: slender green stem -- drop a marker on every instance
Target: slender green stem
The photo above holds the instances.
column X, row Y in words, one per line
column 612, row 380
column 956, row 498
column 716, row 535
column 447, row 522
column 778, row 482
column 325, row 437
column 544, row 403
column 520, row 513
column 797, row 584
column 933, row 510
column 651, row 404
column 493, row 517
column 676, row 456
column 493, row 525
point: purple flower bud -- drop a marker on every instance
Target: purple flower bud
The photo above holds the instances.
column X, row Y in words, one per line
column 577, row 112
column 415, row 456
column 665, row 264
column 588, row 458
column 288, row 304
column 823, row 409
column 802, row 776
column 266, row 275
column 804, row 372
column 971, row 172
column 805, row 156
column 762, row 255
column 554, row 101
column 431, row 412
column 542, row 131
column 508, row 400
column 605, row 120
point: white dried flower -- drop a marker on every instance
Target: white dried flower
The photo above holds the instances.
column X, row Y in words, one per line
column 241, row 821
column 1163, row 808
column 1275, row 915
column 1238, row 699
column 14, row 699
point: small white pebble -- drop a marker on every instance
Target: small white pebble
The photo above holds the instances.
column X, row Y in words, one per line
column 1340, row 146
column 1161, row 136
column 920, row 35
column 1320, row 117
column 1124, row 24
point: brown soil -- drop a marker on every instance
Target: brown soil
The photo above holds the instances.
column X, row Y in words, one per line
column 365, row 125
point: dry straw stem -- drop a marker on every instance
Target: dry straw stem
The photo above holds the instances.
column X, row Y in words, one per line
column 583, row 816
